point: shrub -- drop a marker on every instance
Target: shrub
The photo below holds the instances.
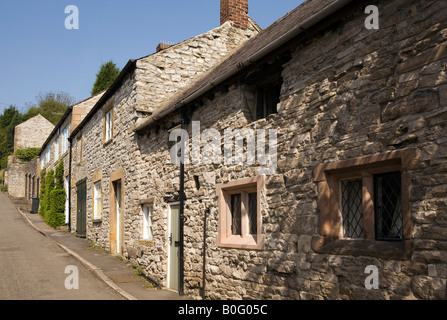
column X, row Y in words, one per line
column 59, row 175
column 55, row 215
column 49, row 186
column 4, row 162
column 27, row 154
column 43, row 174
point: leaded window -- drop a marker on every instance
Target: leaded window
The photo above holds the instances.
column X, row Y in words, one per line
column 388, row 206
column 351, row 208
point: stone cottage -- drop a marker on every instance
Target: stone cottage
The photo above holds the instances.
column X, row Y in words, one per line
column 352, row 104
column 105, row 171
column 29, row 134
column 57, row 146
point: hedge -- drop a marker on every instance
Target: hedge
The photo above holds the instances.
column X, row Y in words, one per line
column 55, row 215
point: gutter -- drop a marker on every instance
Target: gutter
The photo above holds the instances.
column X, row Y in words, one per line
column 294, row 32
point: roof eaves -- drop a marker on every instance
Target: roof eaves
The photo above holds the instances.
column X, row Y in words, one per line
column 131, row 64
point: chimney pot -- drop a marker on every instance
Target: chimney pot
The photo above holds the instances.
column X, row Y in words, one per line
column 162, row 46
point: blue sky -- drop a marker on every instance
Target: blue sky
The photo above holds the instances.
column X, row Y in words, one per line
column 38, row 54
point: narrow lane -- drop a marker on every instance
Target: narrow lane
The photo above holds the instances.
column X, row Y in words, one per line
column 32, row 267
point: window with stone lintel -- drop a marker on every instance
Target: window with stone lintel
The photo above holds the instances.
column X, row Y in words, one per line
column 363, row 205
column 240, row 220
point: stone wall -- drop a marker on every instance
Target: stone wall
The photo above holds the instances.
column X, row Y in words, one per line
column 73, row 119
column 347, row 92
column 32, row 133
column 155, row 79
column 32, row 179
column 16, row 177
column 160, row 76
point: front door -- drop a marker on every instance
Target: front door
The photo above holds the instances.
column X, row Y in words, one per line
column 116, row 219
column 81, row 215
column 173, row 247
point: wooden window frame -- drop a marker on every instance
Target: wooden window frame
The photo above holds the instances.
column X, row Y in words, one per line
column 328, row 177
column 225, row 238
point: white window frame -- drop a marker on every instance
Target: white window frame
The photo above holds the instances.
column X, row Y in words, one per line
column 42, row 161
column 65, row 134
column 56, row 149
column 148, row 233
column 48, row 155
column 97, row 200
column 109, row 125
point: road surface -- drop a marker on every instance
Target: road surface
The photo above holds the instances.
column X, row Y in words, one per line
column 32, row 267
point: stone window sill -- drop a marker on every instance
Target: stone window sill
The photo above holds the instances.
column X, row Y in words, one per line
column 238, row 242
column 147, row 243
column 106, row 143
column 398, row 250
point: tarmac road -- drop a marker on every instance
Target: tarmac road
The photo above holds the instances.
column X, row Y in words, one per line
column 32, row 267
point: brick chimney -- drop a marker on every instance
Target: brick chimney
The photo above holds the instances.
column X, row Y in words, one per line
column 235, row 11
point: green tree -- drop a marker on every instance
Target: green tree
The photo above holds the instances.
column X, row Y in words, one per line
column 51, row 105
column 108, row 72
column 10, row 115
column 10, row 118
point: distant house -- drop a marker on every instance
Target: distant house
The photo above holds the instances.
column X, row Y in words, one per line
column 29, row 134
column 32, row 133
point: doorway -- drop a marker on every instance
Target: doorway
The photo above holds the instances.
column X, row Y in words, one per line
column 81, row 205
column 173, row 247
column 116, row 217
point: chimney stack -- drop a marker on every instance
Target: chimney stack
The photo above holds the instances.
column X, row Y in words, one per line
column 235, row 11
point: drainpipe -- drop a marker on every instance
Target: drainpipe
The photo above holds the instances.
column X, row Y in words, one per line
column 207, row 211
column 69, row 184
column 182, row 205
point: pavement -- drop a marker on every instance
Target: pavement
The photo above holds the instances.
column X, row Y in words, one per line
column 113, row 270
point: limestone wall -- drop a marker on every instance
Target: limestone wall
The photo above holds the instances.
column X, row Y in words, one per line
column 32, row 133
column 156, row 78
column 347, row 92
